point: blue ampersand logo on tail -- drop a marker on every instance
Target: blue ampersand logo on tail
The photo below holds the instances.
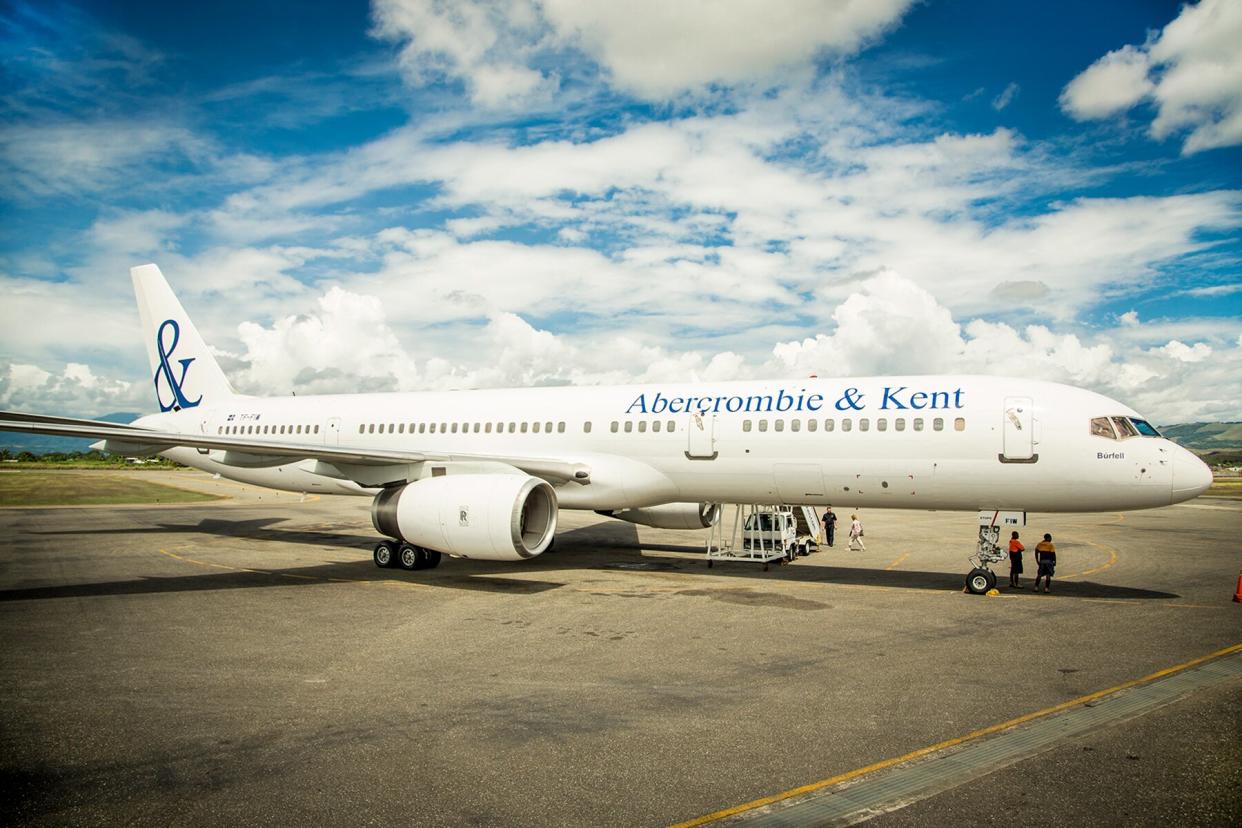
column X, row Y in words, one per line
column 165, row 370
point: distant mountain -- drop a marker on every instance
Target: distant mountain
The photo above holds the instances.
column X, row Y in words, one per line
column 1205, row 436
column 42, row 444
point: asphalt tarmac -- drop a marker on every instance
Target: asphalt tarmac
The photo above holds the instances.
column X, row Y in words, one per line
column 244, row 661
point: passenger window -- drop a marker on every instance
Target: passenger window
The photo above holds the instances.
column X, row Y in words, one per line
column 899, row 424
column 560, row 427
column 918, row 423
column 487, row 428
column 672, row 425
column 811, row 425
column 524, row 427
column 422, row 428
column 629, row 426
column 512, row 428
column 443, row 428
column 586, row 427
column 299, row 429
column 864, row 424
column 778, row 425
column 370, row 428
column 655, row 425
column 536, row 427
column 795, row 425
column 362, row 428
column 547, row 428
column 829, row 424
column 454, row 429
column 316, row 429
column 938, row 424
column 763, row 425
column 613, row 428
column 745, row 425
column 847, row 424
column 881, row 424
column 959, row 424
column 642, row 426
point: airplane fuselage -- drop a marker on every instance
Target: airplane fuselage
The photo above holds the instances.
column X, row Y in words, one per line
column 921, row 442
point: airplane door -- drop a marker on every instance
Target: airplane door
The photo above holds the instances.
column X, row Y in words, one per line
column 1019, row 431
column 701, row 437
column 332, row 432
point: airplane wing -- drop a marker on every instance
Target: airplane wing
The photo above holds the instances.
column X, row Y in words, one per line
column 121, row 438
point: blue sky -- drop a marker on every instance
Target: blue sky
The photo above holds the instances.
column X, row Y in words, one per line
column 416, row 194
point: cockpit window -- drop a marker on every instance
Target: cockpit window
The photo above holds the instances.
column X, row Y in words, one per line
column 1145, row 428
column 1124, row 429
column 1101, row 427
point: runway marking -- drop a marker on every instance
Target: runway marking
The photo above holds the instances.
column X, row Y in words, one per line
column 948, row 743
column 897, row 562
column 1112, row 559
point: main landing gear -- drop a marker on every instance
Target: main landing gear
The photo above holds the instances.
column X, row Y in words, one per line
column 981, row 580
column 407, row 556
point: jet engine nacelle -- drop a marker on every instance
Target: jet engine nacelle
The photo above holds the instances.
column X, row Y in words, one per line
column 671, row 515
column 488, row 517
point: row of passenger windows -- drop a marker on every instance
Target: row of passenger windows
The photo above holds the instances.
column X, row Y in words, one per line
column 864, row 424
column 267, row 429
column 1099, row 426
column 465, row 428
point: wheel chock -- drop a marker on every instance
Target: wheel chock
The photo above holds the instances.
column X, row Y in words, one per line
column 992, row 593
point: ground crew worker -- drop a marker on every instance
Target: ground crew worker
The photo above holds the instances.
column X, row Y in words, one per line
column 1046, row 561
column 1015, row 560
column 830, row 524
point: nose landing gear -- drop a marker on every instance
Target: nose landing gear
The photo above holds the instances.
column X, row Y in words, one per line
column 981, row 579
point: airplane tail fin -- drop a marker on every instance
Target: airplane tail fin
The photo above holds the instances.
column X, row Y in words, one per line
column 183, row 370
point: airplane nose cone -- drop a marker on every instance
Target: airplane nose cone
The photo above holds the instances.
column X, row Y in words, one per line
column 1191, row 476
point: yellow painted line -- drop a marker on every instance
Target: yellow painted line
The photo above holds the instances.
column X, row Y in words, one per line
column 897, row 562
column 1112, row 559
column 948, row 743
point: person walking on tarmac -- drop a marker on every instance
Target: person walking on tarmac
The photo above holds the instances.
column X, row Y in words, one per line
column 830, row 524
column 1046, row 561
column 856, row 535
column 1015, row 560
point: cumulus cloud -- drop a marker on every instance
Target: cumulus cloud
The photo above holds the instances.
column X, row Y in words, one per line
column 72, row 389
column 655, row 50
column 1191, row 72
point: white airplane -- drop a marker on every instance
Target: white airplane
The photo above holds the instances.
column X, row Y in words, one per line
column 482, row 474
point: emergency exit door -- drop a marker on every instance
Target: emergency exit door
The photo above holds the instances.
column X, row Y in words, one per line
column 1019, row 431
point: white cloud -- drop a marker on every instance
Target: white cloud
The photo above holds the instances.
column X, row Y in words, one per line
column 1187, row 353
column 63, row 158
column 72, row 390
column 1192, row 72
column 1005, row 98
column 1112, row 84
column 656, row 50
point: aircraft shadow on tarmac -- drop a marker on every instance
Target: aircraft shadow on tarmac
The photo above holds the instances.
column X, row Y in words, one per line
column 601, row 546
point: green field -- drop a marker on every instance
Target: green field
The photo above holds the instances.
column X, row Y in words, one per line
column 1225, row 487
column 72, row 488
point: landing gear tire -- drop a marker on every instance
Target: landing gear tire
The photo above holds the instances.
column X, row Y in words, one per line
column 980, row 580
column 385, row 555
column 410, row 557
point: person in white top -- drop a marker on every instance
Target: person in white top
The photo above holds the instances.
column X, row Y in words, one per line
column 856, row 535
